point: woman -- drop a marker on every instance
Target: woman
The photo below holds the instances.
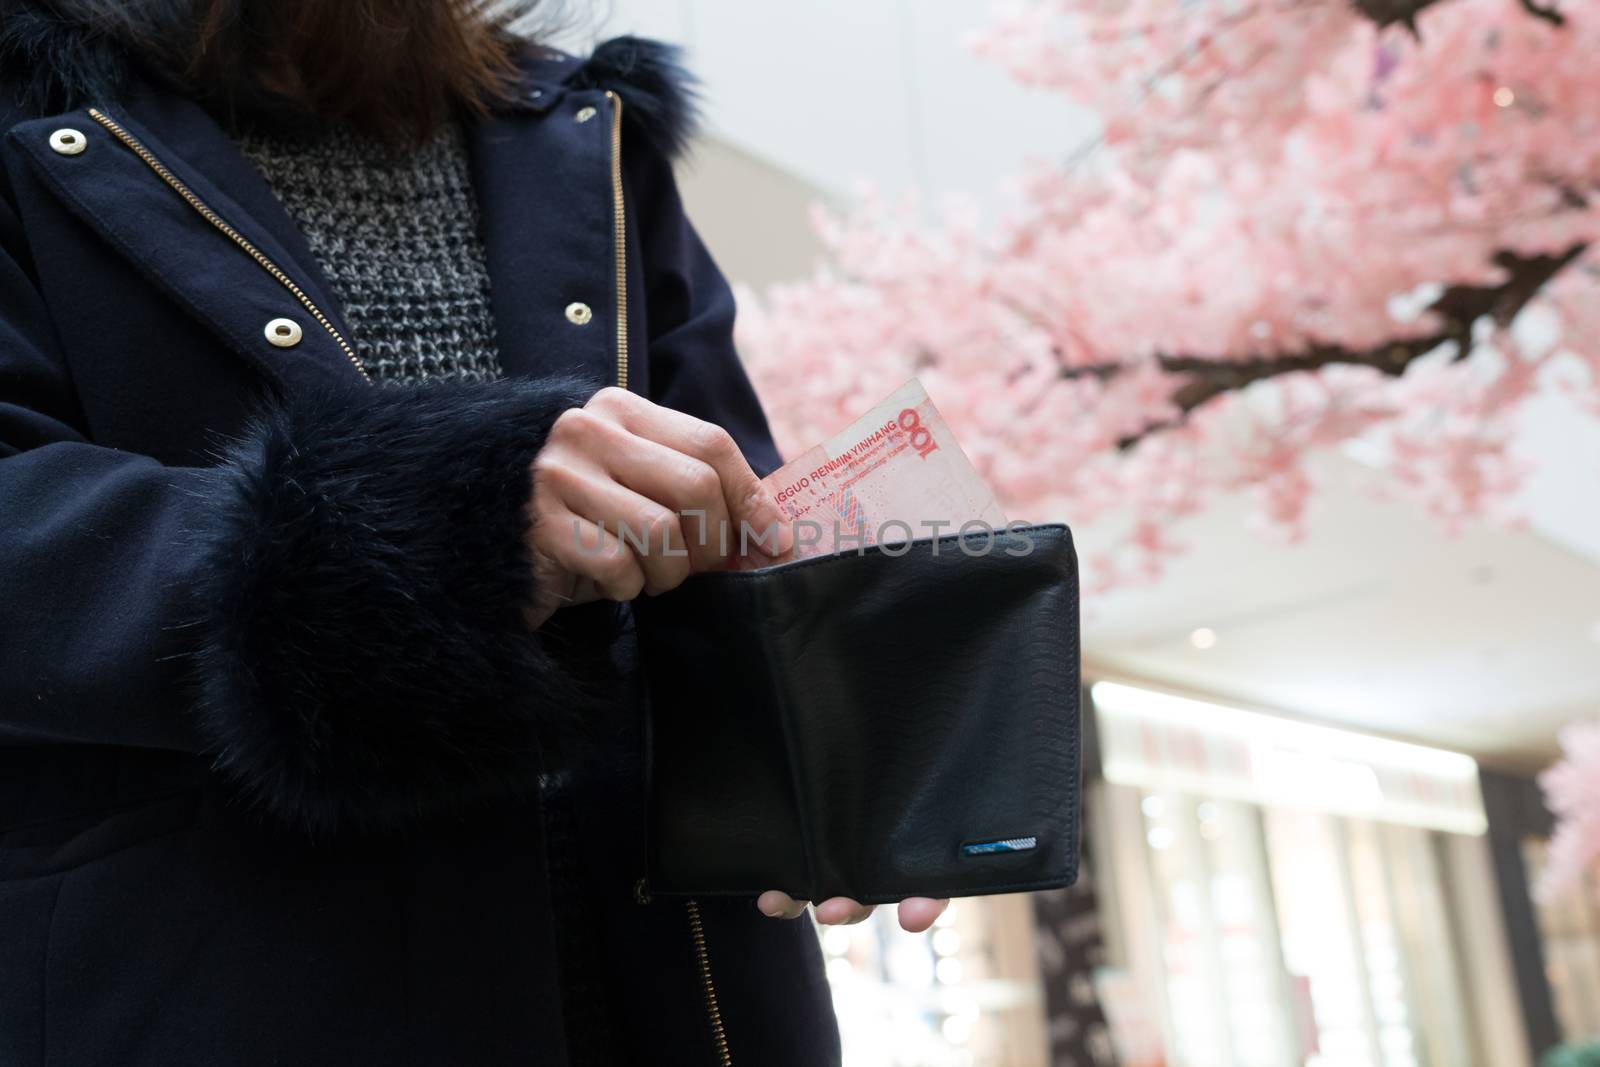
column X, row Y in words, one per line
column 331, row 332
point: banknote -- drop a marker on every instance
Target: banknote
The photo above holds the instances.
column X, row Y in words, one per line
column 894, row 474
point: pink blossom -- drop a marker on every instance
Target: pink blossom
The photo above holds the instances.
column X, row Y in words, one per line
column 1277, row 176
column 1572, row 792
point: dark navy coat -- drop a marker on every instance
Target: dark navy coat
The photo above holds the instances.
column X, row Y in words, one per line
column 283, row 778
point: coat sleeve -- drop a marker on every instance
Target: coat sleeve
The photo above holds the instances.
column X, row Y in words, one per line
column 332, row 612
column 694, row 366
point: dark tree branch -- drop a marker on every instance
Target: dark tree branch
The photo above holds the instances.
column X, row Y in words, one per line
column 1389, row 12
column 1404, row 12
column 1544, row 11
column 1457, row 308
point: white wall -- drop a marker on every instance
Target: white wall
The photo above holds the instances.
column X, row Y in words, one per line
column 754, row 216
column 838, row 91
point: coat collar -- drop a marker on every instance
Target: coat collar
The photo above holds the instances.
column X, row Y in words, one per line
column 138, row 210
column 219, row 173
column 128, row 199
column 542, row 180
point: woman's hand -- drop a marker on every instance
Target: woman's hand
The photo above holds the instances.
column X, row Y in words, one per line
column 916, row 913
column 682, row 489
column 678, row 485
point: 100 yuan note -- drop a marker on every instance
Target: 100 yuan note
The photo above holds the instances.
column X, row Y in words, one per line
column 894, row 474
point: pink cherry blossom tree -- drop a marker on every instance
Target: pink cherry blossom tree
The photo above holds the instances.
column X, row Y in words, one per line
column 1572, row 792
column 1305, row 223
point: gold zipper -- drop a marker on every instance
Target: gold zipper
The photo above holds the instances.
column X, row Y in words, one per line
column 702, row 957
column 620, row 235
column 719, row 1036
column 232, row 234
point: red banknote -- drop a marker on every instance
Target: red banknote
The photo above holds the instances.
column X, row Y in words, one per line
column 894, row 474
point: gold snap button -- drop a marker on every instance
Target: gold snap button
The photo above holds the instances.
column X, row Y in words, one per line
column 68, row 141
column 585, row 114
column 579, row 314
column 285, row 333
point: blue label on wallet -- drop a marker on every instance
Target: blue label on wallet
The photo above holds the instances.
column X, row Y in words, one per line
column 1010, row 844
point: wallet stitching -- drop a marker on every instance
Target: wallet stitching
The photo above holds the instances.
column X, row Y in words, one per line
column 876, row 552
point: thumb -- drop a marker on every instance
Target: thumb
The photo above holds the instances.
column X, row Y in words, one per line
column 760, row 523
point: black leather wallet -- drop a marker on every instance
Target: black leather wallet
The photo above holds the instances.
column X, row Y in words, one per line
column 898, row 721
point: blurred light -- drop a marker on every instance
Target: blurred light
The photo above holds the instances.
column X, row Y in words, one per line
column 836, row 940
column 1268, row 759
column 956, row 1030
column 1395, row 1039
column 949, row 970
column 1153, row 805
column 1287, row 771
column 1203, row 638
column 946, row 942
column 840, row 969
column 1160, row 837
column 1207, row 811
column 907, row 964
column 1504, row 97
column 1383, row 958
column 949, row 916
column 964, row 1006
column 1150, row 706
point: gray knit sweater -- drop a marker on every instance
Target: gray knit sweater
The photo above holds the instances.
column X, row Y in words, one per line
column 396, row 234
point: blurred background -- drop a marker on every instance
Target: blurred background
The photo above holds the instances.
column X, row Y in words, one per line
column 1288, row 309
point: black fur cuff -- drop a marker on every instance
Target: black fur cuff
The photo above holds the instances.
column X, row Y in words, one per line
column 363, row 659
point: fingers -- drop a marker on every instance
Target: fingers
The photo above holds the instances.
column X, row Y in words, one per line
column 554, row 586
column 748, row 502
column 835, row 911
column 582, row 548
column 631, row 497
column 919, row 913
column 778, row 905
column 689, row 486
column 644, row 527
column 842, row 911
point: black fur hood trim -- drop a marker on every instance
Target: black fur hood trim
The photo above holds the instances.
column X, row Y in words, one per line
column 658, row 92
column 51, row 62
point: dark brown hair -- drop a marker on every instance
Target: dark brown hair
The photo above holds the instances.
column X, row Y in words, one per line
column 392, row 67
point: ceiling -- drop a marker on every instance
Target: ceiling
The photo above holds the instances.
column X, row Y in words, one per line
column 1487, row 641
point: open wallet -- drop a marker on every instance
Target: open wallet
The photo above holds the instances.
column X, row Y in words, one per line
column 890, row 721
